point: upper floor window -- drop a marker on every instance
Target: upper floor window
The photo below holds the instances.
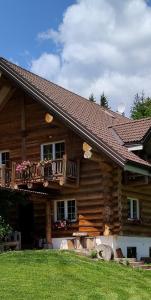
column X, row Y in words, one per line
column 4, row 157
column 65, row 210
column 52, row 151
column 133, row 209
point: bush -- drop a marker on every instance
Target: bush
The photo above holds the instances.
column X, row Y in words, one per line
column 5, row 229
column 93, row 254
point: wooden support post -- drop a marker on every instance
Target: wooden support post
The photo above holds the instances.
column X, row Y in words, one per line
column 3, row 175
column 6, row 92
column 78, row 173
column 48, row 225
column 23, row 130
column 13, row 175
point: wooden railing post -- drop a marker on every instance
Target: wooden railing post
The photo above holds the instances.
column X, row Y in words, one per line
column 48, row 225
column 64, row 170
column 78, row 173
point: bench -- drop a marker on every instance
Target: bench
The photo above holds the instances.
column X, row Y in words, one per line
column 13, row 241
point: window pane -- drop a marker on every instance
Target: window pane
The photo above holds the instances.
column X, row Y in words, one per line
column 129, row 208
column 135, row 209
column 131, row 252
column 59, row 150
column 71, row 210
column 47, row 152
column 60, row 210
column 5, row 158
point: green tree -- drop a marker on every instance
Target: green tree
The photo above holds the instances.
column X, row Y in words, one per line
column 104, row 101
column 141, row 107
column 92, row 98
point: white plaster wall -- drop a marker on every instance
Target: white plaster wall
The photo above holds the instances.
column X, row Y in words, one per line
column 141, row 243
column 60, row 243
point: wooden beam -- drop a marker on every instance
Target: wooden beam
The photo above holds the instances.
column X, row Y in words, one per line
column 6, row 92
column 96, row 157
column 23, row 130
column 48, row 225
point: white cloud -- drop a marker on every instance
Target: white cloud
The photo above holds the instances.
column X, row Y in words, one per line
column 104, row 45
column 49, row 34
column 47, row 65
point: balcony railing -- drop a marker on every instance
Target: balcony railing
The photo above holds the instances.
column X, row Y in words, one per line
column 62, row 171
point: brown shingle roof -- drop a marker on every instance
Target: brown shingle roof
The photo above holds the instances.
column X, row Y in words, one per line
column 133, row 131
column 86, row 117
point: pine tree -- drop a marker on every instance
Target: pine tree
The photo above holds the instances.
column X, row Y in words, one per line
column 92, row 98
column 104, row 101
column 141, row 107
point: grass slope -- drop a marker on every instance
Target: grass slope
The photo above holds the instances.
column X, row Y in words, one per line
column 62, row 275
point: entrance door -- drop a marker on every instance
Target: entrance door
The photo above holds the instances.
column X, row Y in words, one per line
column 26, row 225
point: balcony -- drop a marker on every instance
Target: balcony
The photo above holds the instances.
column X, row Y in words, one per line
column 135, row 179
column 60, row 171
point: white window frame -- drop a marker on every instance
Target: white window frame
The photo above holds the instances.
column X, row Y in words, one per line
column 1, row 152
column 66, row 209
column 131, row 208
column 53, row 149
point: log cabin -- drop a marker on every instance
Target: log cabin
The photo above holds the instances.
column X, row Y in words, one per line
column 86, row 169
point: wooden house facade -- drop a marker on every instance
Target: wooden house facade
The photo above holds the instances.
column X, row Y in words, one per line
column 85, row 169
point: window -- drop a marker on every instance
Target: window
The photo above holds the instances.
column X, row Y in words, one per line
column 52, row 151
column 133, row 209
column 4, row 158
column 65, row 209
column 131, row 252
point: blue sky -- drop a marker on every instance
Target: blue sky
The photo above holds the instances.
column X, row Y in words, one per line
column 87, row 46
column 21, row 21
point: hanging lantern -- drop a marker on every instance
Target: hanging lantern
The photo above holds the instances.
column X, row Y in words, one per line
column 48, row 118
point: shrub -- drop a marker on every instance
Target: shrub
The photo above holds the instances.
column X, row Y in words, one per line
column 5, row 229
column 93, row 254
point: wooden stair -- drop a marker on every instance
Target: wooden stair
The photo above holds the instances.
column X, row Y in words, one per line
column 133, row 263
column 140, row 265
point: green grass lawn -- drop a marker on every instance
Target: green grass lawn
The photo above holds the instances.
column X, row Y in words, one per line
column 50, row 274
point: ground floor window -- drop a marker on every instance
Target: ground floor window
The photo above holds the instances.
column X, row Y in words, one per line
column 133, row 209
column 131, row 252
column 4, row 158
column 65, row 210
column 150, row 252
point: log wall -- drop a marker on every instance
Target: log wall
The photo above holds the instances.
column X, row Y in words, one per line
column 98, row 197
column 143, row 226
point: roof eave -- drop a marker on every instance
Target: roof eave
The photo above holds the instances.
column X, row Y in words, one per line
column 87, row 135
column 135, row 168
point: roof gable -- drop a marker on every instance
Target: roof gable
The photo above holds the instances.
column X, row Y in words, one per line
column 88, row 119
column 134, row 131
